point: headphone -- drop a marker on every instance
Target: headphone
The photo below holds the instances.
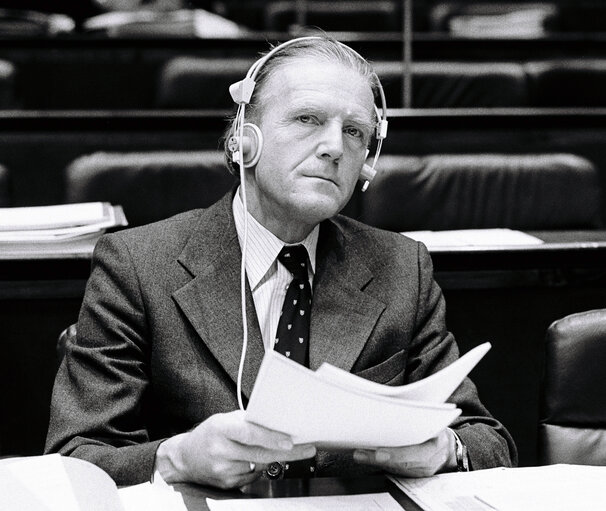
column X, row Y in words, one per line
column 245, row 145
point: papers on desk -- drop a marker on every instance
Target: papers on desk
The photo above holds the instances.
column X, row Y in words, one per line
column 57, row 483
column 58, row 223
column 334, row 409
column 473, row 238
column 547, row 488
column 362, row 502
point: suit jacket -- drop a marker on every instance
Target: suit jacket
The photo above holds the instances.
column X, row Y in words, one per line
column 159, row 337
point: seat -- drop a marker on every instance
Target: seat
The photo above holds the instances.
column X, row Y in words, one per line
column 567, row 82
column 473, row 191
column 7, row 85
column 456, row 84
column 66, row 337
column 572, row 424
column 5, row 200
column 149, row 185
column 353, row 15
column 199, row 82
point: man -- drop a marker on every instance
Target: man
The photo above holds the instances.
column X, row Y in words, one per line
column 149, row 383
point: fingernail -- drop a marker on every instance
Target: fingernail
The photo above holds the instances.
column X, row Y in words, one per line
column 383, row 456
column 285, row 445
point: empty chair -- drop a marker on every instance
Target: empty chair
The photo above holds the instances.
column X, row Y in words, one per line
column 456, row 84
column 353, row 15
column 440, row 192
column 4, row 187
column 7, row 85
column 572, row 426
column 198, row 82
column 149, row 185
column 567, row 82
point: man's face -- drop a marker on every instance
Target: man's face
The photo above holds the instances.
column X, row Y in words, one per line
column 316, row 118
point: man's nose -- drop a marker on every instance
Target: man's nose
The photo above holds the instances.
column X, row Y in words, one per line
column 330, row 145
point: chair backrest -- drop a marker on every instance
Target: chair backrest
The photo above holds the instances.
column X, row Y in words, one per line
column 567, row 82
column 149, row 185
column 465, row 191
column 5, row 196
column 66, row 337
column 572, row 425
column 456, row 84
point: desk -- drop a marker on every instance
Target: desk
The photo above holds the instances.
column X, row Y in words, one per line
column 506, row 295
column 195, row 496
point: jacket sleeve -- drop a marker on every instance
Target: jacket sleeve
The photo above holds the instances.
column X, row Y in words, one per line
column 98, row 402
column 488, row 443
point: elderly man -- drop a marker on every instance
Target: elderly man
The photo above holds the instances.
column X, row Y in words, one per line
column 149, row 385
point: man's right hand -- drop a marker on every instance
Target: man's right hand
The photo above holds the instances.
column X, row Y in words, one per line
column 225, row 451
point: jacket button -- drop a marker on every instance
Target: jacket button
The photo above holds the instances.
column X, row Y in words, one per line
column 275, row 470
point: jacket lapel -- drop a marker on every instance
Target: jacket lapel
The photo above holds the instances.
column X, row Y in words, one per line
column 211, row 300
column 343, row 315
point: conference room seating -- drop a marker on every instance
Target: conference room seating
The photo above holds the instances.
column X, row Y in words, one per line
column 456, row 84
column 435, row 192
column 149, row 185
column 7, row 85
column 572, row 426
column 5, row 196
column 356, row 15
column 464, row 191
column 197, row 82
column 567, row 82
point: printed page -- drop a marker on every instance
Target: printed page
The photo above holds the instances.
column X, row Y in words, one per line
column 290, row 398
column 151, row 497
column 435, row 388
column 363, row 502
column 545, row 488
column 49, row 217
column 473, row 238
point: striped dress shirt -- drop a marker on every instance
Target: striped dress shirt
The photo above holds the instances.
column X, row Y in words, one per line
column 268, row 279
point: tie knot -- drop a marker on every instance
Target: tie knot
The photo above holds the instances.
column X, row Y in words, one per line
column 294, row 258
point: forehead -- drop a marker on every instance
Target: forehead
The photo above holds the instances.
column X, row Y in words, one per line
column 327, row 83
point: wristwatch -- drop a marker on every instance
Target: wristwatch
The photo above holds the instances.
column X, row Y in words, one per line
column 461, row 454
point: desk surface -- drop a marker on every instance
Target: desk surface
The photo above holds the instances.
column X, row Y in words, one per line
column 195, row 496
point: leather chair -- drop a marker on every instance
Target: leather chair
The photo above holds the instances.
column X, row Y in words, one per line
column 567, row 82
column 456, row 84
column 473, row 191
column 7, row 85
column 572, row 425
column 5, row 200
column 149, row 185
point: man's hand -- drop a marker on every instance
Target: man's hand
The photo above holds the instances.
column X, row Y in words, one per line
column 437, row 454
column 225, row 451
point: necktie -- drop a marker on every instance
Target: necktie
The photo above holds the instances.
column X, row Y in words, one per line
column 292, row 338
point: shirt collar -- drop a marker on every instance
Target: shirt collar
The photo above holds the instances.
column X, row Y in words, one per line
column 263, row 246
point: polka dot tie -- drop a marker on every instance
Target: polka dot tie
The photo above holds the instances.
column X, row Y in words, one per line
column 292, row 336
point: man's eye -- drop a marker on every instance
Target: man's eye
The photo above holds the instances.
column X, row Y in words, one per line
column 353, row 132
column 306, row 119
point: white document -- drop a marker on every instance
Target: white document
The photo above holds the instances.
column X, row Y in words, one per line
column 363, row 502
column 334, row 409
column 151, row 497
column 546, row 488
column 473, row 238
column 49, row 217
column 435, row 388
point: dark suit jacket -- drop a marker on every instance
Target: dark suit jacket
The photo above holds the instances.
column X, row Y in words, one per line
column 159, row 337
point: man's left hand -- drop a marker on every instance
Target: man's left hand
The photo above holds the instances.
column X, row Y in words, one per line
column 437, row 454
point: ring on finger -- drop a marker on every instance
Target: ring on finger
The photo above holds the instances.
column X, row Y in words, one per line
column 252, row 466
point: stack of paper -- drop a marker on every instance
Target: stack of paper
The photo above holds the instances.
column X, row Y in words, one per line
column 473, row 238
column 58, row 223
column 335, row 409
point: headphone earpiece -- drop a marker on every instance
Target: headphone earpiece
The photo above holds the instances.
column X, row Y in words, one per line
column 252, row 144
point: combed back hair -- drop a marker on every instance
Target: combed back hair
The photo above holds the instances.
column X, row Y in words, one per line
column 323, row 48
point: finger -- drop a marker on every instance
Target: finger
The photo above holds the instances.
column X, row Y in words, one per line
column 246, row 433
